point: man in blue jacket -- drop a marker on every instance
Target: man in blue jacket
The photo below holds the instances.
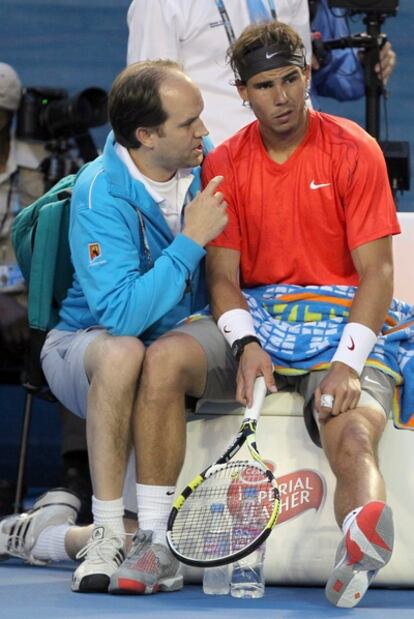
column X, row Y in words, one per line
column 138, row 228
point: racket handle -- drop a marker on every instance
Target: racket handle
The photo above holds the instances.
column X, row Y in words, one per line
column 259, row 394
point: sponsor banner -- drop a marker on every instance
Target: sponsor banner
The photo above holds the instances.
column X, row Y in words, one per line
column 299, row 491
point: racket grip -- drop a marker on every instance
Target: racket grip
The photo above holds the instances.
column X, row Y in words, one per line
column 259, row 394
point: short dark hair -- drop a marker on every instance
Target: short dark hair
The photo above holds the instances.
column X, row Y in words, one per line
column 134, row 99
column 263, row 34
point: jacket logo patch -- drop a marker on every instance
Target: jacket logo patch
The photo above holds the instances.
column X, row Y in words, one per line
column 94, row 251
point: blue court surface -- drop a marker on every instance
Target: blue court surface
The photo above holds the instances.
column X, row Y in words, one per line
column 44, row 592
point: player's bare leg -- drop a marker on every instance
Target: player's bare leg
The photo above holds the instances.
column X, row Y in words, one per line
column 350, row 442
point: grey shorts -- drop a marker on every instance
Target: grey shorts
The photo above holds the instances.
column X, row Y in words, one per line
column 62, row 359
column 377, row 388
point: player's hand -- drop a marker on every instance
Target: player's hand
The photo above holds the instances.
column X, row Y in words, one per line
column 343, row 385
column 206, row 216
column 254, row 362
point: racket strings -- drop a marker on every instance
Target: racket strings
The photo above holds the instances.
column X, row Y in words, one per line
column 225, row 513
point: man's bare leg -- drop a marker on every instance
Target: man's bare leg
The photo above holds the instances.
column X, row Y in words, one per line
column 174, row 365
column 351, row 442
column 113, row 365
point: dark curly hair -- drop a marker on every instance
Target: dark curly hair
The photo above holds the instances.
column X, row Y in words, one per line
column 263, row 34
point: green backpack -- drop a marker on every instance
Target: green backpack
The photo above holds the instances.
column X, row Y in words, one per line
column 40, row 241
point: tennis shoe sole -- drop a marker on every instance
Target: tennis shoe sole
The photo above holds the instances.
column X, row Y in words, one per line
column 365, row 549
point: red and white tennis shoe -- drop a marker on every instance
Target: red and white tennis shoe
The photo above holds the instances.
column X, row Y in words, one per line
column 148, row 568
column 366, row 548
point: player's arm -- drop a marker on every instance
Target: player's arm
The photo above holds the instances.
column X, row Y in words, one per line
column 231, row 312
column 374, row 264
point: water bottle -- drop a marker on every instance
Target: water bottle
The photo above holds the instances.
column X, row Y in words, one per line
column 248, row 580
column 216, row 580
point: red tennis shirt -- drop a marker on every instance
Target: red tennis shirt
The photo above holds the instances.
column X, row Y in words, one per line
column 298, row 222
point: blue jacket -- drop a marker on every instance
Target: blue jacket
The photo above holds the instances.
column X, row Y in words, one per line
column 342, row 76
column 132, row 277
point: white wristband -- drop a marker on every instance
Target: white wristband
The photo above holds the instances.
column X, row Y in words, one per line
column 235, row 324
column 356, row 343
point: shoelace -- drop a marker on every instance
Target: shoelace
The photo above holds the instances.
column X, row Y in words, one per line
column 104, row 549
column 138, row 542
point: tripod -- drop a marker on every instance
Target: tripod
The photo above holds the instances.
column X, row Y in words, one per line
column 397, row 154
column 371, row 42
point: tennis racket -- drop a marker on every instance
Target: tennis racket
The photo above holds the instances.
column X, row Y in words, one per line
column 230, row 508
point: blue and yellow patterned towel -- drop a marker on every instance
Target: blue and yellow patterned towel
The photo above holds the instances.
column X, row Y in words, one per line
column 300, row 327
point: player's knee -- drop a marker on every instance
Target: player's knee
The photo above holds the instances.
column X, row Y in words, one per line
column 120, row 359
column 171, row 356
column 355, row 446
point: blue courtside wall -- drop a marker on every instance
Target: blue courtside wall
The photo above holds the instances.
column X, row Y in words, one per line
column 80, row 43
column 72, row 44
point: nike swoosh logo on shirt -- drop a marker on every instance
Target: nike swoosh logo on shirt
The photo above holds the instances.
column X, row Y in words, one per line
column 226, row 329
column 314, row 185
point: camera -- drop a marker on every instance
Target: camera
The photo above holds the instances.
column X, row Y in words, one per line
column 49, row 113
column 388, row 7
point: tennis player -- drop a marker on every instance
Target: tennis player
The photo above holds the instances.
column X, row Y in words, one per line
column 309, row 205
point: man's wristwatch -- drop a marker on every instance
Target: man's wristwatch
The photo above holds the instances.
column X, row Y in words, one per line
column 238, row 345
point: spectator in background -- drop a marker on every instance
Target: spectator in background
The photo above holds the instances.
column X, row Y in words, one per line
column 22, row 182
column 197, row 34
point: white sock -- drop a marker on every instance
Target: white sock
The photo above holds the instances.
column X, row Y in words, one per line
column 109, row 513
column 154, row 506
column 50, row 545
column 349, row 518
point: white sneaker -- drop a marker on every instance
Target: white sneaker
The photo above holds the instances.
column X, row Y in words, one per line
column 102, row 555
column 19, row 532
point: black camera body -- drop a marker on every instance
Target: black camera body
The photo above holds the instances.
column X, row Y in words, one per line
column 49, row 113
column 387, row 7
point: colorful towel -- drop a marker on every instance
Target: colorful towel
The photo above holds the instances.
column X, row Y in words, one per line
column 300, row 327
